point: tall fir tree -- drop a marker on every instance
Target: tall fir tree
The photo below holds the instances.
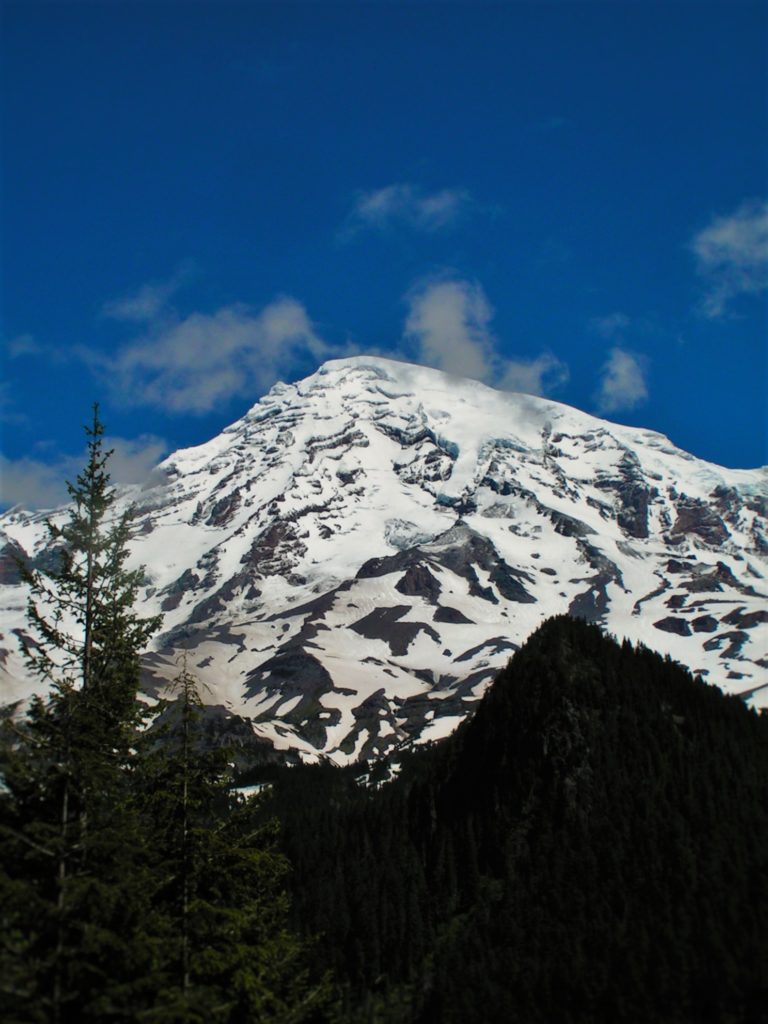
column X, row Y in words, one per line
column 222, row 912
column 87, row 633
column 67, row 829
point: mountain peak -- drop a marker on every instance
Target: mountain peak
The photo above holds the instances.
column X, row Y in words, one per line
column 349, row 563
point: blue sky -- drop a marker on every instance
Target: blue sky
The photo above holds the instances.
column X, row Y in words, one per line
column 200, row 198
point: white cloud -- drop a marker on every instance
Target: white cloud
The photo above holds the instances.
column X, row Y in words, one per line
column 448, row 326
column 133, row 459
column 30, row 483
column 623, row 384
column 193, row 364
column 449, row 322
column 732, row 256
column 408, row 205
column 34, row 483
column 539, row 376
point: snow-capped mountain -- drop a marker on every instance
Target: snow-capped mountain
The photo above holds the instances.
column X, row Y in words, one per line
column 348, row 564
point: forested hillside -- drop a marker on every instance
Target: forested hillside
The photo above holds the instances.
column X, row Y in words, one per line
column 592, row 846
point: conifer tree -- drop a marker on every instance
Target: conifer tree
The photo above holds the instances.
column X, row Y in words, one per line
column 227, row 953
column 87, row 633
column 65, row 767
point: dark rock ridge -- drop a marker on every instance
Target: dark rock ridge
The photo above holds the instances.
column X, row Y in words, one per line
column 632, row 495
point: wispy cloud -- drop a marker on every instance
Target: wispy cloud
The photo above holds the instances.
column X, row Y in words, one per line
column 133, row 459
column 30, row 483
column 407, row 205
column 23, row 345
column 149, row 301
column 539, row 376
column 36, row 483
column 449, row 327
column 194, row 363
column 732, row 256
column 623, row 381
column 611, row 326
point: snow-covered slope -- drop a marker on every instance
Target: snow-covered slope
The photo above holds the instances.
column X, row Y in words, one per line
column 349, row 563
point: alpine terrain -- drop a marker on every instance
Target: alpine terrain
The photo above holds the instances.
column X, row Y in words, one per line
column 348, row 565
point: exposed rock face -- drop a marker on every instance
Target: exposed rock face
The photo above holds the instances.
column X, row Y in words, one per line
column 463, row 552
column 733, row 639
column 290, row 686
column 224, row 509
column 705, row 624
column 445, row 614
column 348, row 565
column 567, row 526
column 672, row 624
column 185, row 584
column 746, row 620
column 11, row 555
column 419, row 581
column 695, row 517
column 632, row 495
column 384, row 624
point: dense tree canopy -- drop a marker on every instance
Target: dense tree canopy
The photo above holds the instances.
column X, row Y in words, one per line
column 592, row 846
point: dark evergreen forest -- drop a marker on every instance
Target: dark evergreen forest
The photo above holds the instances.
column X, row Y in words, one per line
column 591, row 846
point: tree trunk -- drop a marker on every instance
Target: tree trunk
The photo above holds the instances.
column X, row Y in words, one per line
column 58, row 968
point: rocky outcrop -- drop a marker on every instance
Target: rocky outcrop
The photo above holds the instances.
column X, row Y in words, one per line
column 188, row 582
column 674, row 624
column 746, row 620
column 452, row 615
column 729, row 644
column 12, row 556
column 463, row 551
column 418, row 581
column 276, row 552
column 384, row 624
column 705, row 624
column 695, row 518
column 631, row 494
